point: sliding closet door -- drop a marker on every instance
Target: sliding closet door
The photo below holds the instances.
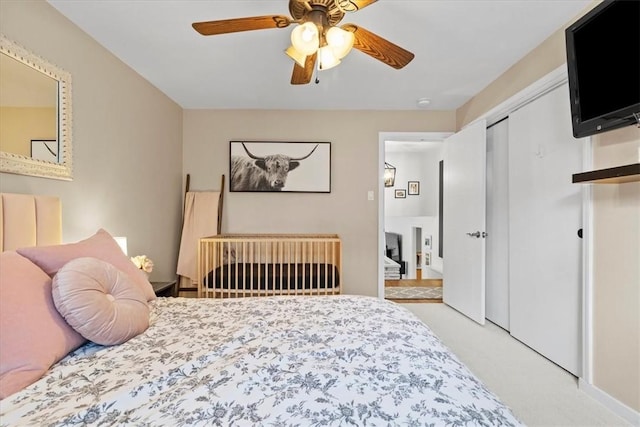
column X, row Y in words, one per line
column 545, row 214
column 497, row 282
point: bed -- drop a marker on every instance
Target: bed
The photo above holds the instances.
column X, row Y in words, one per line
column 274, row 360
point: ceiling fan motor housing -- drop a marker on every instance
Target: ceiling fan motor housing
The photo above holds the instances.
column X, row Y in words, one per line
column 300, row 9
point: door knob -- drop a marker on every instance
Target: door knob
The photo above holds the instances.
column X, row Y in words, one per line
column 477, row 234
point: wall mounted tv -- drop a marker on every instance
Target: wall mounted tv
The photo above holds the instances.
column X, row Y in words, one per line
column 603, row 62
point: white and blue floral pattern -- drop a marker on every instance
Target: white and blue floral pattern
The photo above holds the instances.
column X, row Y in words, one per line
column 270, row 361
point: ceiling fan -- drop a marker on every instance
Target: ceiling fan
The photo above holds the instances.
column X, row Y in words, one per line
column 317, row 41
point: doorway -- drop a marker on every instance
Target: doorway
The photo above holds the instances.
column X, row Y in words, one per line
column 410, row 209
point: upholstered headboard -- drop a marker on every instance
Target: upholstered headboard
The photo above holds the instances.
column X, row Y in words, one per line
column 28, row 220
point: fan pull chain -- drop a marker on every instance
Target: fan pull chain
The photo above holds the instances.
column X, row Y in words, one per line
column 317, row 70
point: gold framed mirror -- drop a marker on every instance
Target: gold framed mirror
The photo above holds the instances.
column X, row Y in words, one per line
column 35, row 115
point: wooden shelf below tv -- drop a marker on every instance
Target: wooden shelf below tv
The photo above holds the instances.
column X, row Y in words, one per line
column 616, row 175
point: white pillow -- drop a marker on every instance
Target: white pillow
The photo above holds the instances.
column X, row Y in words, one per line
column 99, row 301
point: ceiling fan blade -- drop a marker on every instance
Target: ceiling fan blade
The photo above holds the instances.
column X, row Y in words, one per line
column 379, row 48
column 210, row 28
column 302, row 76
column 353, row 5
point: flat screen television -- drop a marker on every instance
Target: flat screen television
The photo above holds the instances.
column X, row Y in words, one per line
column 603, row 62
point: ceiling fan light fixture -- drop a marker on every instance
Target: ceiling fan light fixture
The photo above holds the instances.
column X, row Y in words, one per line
column 317, row 42
column 341, row 41
column 296, row 55
column 327, row 59
column 305, row 38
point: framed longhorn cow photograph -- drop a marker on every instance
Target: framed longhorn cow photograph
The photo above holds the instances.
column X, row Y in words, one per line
column 286, row 167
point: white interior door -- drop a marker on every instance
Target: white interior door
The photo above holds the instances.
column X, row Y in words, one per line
column 464, row 221
column 545, row 214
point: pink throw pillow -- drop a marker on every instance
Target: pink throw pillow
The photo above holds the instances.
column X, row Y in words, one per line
column 33, row 335
column 101, row 245
column 99, row 301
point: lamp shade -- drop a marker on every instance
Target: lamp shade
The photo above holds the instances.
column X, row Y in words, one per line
column 297, row 56
column 305, row 38
column 341, row 41
column 122, row 242
column 389, row 175
column 327, row 58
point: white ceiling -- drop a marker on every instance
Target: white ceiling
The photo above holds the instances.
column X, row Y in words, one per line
column 460, row 46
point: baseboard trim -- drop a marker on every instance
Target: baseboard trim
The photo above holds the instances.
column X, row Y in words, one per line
column 619, row 408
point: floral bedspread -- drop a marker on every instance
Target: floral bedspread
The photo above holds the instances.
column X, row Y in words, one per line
column 270, row 361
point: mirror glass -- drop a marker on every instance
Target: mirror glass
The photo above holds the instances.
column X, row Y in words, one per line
column 35, row 115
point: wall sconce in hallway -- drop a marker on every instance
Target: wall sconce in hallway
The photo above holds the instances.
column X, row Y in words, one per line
column 389, row 175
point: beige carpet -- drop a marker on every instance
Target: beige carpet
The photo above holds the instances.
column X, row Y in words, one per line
column 540, row 393
column 405, row 292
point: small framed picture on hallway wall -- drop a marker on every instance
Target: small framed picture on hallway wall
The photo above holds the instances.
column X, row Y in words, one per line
column 414, row 188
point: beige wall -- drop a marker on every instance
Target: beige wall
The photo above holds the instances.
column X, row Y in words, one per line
column 616, row 308
column 354, row 171
column 616, row 233
column 126, row 141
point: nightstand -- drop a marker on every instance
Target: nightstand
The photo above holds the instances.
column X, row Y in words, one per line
column 164, row 289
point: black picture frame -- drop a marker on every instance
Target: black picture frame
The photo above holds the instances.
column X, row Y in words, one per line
column 279, row 167
column 413, row 188
column 400, row 193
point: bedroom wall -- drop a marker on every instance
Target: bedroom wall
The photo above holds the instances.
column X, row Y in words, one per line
column 127, row 152
column 616, row 225
column 616, row 270
column 354, row 171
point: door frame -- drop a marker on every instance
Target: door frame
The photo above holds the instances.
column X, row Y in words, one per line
column 382, row 138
